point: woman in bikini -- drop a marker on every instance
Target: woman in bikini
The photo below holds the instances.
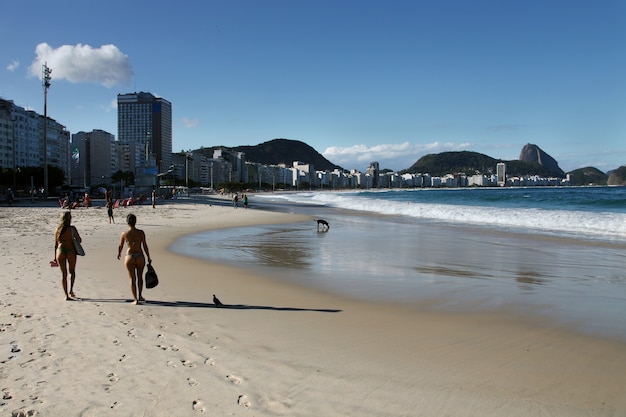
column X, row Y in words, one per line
column 64, row 253
column 134, row 260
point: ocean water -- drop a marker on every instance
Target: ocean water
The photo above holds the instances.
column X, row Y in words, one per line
column 556, row 254
column 577, row 212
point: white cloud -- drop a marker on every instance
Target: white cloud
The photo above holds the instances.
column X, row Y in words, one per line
column 396, row 156
column 190, row 122
column 13, row 65
column 79, row 63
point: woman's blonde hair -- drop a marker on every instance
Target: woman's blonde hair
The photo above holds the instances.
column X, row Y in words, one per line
column 64, row 223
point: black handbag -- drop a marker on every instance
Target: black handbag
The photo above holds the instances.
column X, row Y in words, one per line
column 151, row 278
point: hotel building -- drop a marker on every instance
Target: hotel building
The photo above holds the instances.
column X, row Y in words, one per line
column 144, row 128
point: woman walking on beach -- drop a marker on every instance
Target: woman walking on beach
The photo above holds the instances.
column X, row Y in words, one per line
column 64, row 252
column 134, row 260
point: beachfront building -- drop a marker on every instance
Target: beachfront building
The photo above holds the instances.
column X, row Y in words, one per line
column 278, row 176
column 478, row 180
column 374, row 172
column 94, row 158
column 199, row 168
column 21, row 139
column 303, row 174
column 144, row 125
column 501, row 173
column 339, row 179
column 193, row 167
column 125, row 156
column 229, row 166
column 7, row 134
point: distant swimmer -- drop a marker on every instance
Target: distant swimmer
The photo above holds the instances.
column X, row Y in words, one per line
column 217, row 301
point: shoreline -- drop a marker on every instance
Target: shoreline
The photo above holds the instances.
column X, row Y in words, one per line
column 445, row 267
column 279, row 349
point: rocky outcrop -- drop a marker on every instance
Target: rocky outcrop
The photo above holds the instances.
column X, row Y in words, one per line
column 618, row 176
column 534, row 155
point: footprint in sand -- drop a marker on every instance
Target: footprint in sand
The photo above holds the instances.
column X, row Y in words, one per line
column 197, row 405
column 23, row 413
column 112, row 379
column 243, row 401
column 131, row 333
column 188, row 364
column 192, row 382
column 35, row 399
column 234, row 379
column 6, row 395
column 123, row 358
column 209, row 361
column 27, row 363
column 168, row 348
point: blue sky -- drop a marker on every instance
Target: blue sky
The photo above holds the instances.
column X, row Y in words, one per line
column 359, row 81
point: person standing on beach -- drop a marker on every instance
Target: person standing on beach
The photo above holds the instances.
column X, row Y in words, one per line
column 245, row 201
column 134, row 261
column 110, row 211
column 10, row 197
column 153, row 198
column 64, row 252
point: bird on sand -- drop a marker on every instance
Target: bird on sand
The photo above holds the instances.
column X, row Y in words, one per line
column 217, row 301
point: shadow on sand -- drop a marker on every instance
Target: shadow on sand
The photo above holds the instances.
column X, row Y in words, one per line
column 194, row 304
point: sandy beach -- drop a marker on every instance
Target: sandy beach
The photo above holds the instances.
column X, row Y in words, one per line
column 276, row 349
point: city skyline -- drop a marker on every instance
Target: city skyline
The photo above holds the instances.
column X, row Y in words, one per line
column 357, row 81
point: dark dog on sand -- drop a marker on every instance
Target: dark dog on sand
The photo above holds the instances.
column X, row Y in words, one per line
column 323, row 223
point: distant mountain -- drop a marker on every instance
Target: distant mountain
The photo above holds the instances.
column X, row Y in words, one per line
column 279, row 151
column 471, row 163
column 588, row 176
column 618, row 176
column 532, row 161
column 439, row 164
column 534, row 155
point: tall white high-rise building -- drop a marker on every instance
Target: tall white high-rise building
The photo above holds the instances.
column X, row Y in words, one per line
column 501, row 173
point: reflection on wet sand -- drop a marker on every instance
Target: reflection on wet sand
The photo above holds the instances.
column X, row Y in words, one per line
column 452, row 272
column 528, row 279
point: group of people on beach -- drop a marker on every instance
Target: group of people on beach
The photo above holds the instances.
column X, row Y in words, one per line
column 135, row 261
column 244, row 199
column 110, row 204
column 70, row 202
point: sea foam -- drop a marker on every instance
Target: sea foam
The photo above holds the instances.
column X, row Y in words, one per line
column 602, row 225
